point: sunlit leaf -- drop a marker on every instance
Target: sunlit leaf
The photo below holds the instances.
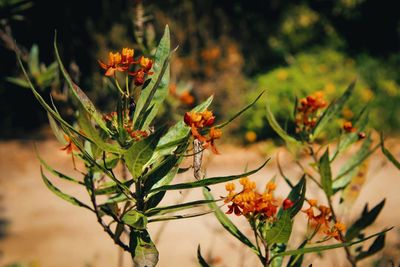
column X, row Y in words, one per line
column 280, row 230
column 174, row 208
column 135, row 219
column 389, row 155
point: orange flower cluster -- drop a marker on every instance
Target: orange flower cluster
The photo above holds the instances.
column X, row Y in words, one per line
column 200, row 120
column 348, row 128
column 121, row 61
column 324, row 219
column 250, row 202
column 307, row 115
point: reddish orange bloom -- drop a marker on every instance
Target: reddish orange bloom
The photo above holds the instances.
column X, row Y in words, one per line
column 146, row 64
column 186, row 98
column 307, row 115
column 348, row 127
column 287, row 204
column 248, row 201
column 199, row 120
column 336, row 231
column 70, row 146
column 127, row 56
column 114, row 64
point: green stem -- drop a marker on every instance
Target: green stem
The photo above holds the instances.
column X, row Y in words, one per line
column 117, row 84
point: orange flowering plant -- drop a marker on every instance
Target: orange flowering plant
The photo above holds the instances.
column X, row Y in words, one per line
column 272, row 220
column 128, row 161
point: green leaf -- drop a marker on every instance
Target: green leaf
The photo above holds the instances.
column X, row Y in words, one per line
column 178, row 217
column 202, row 261
column 297, row 196
column 326, row 173
column 174, row 208
column 158, row 86
column 228, row 224
column 389, row 155
column 278, row 129
column 56, row 173
column 333, row 109
column 62, row 195
column 135, row 219
column 144, row 252
column 139, row 154
column 345, row 174
column 207, row 182
column 240, row 112
column 326, row 247
column 113, row 188
column 377, row 245
column 79, row 95
column 33, row 62
column 160, row 171
column 20, row 82
column 366, row 219
column 86, row 125
column 280, row 230
column 58, row 133
column 297, row 260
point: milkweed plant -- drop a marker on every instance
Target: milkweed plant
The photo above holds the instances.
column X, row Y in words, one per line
column 125, row 202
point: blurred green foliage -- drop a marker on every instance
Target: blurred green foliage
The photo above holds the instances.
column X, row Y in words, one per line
column 329, row 71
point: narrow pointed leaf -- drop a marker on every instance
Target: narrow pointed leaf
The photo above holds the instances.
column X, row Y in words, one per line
column 376, row 246
column 366, row 219
column 333, row 110
column 240, row 112
column 79, row 95
column 389, row 155
column 60, row 194
column 207, row 182
column 174, row 208
column 135, row 219
column 137, row 156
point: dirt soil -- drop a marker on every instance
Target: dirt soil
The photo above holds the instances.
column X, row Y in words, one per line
column 49, row 232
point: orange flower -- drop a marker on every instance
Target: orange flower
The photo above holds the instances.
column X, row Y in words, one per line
column 146, row 64
column 214, row 135
column 127, row 56
column 70, row 146
column 186, row 98
column 336, row 231
column 248, row 201
column 348, row 127
column 307, row 115
column 114, row 64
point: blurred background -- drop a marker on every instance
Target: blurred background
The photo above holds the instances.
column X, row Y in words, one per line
column 230, row 48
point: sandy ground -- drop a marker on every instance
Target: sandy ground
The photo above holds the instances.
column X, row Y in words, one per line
column 45, row 230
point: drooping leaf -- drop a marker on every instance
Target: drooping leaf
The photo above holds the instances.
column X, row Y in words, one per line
column 228, row 224
column 20, row 82
column 144, row 252
column 240, row 112
column 156, row 91
column 315, row 249
column 326, row 173
column 389, row 155
column 206, row 182
column 139, row 154
column 333, row 110
column 135, row 219
column 62, row 195
column 58, row 133
column 33, row 61
column 366, row 219
column 78, row 94
column 376, row 246
column 280, row 230
column 202, row 261
column 179, row 217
